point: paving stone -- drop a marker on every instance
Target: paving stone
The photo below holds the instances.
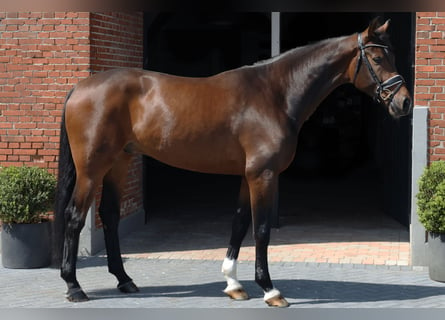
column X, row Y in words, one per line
column 199, row 284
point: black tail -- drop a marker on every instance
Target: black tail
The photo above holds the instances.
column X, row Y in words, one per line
column 65, row 186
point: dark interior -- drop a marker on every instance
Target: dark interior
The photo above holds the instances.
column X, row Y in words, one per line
column 350, row 147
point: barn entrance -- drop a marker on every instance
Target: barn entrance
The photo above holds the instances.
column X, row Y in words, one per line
column 353, row 162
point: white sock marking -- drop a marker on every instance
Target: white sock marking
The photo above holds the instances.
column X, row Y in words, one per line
column 229, row 271
column 271, row 294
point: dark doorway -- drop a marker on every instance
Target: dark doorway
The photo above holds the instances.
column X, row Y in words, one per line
column 348, row 136
column 198, row 44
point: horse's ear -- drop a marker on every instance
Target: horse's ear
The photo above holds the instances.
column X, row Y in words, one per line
column 383, row 28
column 377, row 29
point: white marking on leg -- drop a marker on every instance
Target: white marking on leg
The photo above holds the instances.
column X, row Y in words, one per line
column 271, row 294
column 229, row 271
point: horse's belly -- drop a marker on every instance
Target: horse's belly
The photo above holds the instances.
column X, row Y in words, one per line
column 208, row 157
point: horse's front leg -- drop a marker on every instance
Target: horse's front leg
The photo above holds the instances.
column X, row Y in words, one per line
column 240, row 224
column 263, row 187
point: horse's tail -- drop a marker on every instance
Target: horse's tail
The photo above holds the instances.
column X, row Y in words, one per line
column 65, row 186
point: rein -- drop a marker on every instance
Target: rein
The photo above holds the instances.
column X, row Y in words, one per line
column 382, row 87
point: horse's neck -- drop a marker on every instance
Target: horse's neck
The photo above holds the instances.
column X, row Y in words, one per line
column 313, row 72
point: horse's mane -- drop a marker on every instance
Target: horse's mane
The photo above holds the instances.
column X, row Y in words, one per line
column 295, row 52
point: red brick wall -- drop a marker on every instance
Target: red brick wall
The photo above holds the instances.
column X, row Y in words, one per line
column 116, row 40
column 430, row 77
column 42, row 55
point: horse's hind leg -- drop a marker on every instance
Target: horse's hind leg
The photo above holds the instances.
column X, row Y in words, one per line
column 240, row 224
column 75, row 215
column 109, row 212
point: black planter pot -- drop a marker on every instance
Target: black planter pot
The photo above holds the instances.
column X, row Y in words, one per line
column 26, row 246
column 436, row 256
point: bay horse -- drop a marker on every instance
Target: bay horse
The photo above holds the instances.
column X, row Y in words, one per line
column 241, row 122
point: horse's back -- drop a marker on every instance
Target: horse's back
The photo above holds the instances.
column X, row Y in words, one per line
column 201, row 124
column 185, row 122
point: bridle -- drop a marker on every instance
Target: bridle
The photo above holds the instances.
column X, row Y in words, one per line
column 383, row 90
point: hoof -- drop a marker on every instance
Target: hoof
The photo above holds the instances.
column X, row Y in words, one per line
column 128, row 287
column 237, row 294
column 278, row 302
column 76, row 295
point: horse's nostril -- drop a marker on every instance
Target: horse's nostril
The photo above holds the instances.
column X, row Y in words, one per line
column 406, row 105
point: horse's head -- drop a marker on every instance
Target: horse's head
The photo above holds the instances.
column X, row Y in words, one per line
column 373, row 70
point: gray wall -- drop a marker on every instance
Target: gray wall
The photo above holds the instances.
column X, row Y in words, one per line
column 419, row 161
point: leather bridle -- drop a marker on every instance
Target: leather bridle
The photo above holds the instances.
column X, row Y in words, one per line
column 383, row 90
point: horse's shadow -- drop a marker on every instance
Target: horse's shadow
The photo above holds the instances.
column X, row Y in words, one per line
column 308, row 291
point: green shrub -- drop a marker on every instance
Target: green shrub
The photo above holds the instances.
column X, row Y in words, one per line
column 25, row 194
column 431, row 198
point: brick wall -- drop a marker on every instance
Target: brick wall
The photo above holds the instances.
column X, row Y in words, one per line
column 116, row 40
column 42, row 55
column 430, row 77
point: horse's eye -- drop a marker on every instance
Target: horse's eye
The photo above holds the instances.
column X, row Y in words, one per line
column 377, row 60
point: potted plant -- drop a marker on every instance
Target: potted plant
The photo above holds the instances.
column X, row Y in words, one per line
column 26, row 195
column 431, row 211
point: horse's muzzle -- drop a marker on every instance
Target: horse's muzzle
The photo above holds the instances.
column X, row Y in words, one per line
column 401, row 107
column 407, row 106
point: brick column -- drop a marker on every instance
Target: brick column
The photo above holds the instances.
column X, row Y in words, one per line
column 429, row 115
column 430, row 77
column 117, row 41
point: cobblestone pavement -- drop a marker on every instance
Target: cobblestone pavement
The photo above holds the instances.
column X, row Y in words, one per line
column 198, row 284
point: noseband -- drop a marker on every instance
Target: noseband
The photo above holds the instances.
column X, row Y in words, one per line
column 382, row 87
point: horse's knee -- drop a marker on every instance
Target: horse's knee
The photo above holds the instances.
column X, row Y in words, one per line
column 255, row 171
